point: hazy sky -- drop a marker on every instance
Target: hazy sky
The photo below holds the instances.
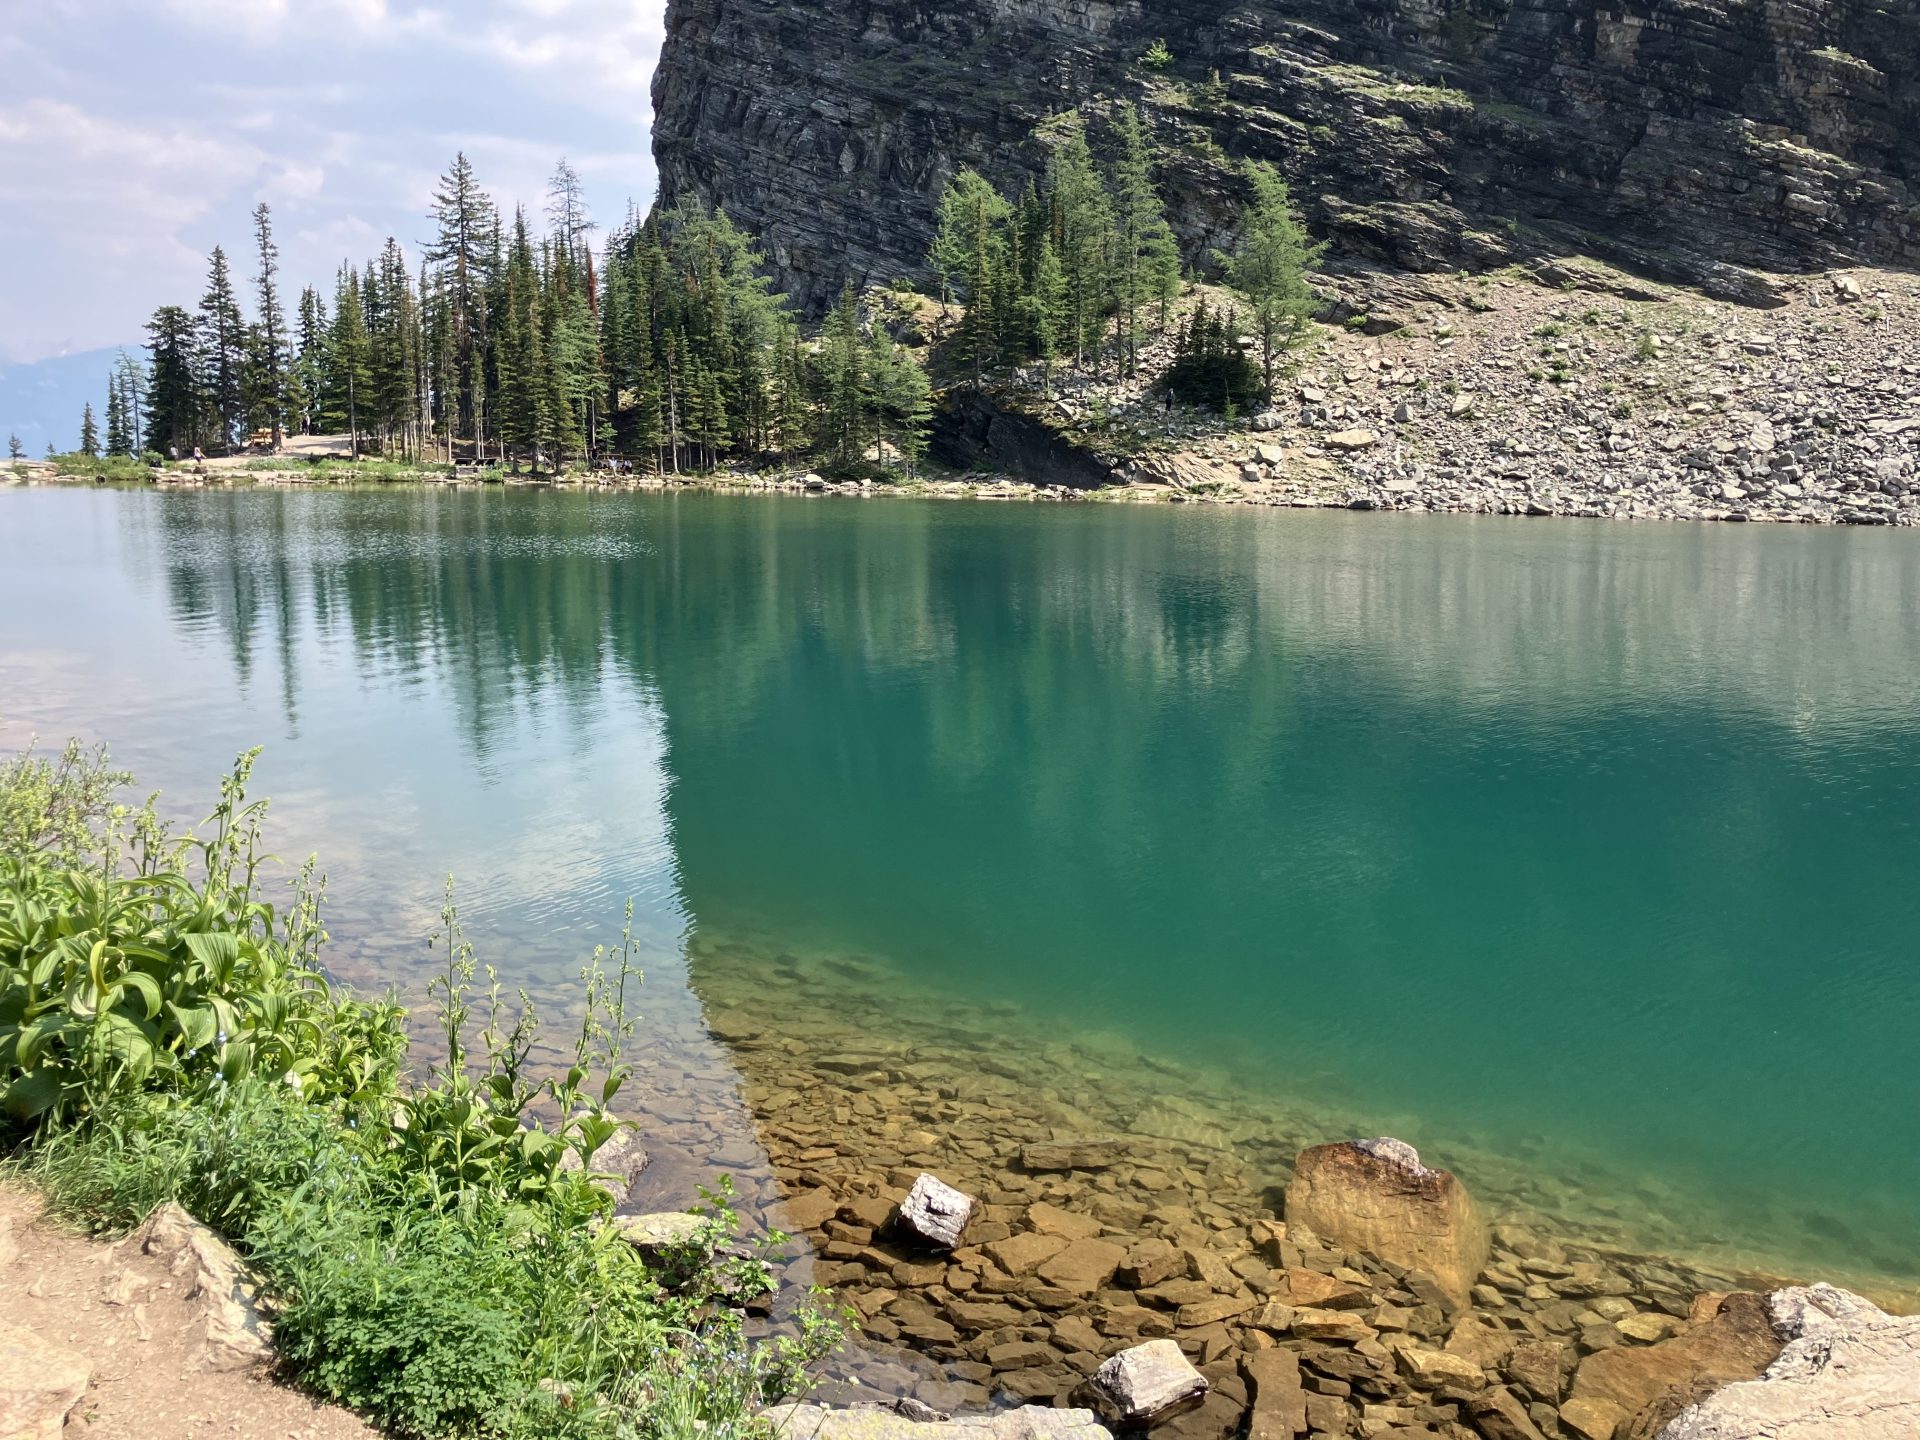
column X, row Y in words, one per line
column 135, row 134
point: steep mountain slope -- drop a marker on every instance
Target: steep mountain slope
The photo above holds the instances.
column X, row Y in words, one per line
column 1716, row 142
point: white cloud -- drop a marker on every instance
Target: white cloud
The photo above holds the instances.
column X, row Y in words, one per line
column 135, row 134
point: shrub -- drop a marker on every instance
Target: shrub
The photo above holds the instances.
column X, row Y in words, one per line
column 167, row 1035
column 1210, row 367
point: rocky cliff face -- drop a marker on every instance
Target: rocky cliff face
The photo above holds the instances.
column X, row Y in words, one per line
column 1717, row 142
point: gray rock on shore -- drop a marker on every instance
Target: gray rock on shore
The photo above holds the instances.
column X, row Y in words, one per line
column 934, row 1213
column 1147, row 1385
column 878, row 1422
column 1849, row 1371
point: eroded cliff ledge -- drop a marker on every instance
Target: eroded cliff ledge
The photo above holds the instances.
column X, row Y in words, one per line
column 1714, row 142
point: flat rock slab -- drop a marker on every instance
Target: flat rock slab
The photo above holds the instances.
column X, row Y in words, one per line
column 1084, row 1266
column 862, row 1422
column 39, row 1383
column 663, row 1237
column 934, row 1213
column 1737, row 1344
column 1091, row 1154
column 1146, row 1386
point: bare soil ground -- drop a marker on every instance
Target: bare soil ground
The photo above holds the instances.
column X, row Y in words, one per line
column 123, row 1311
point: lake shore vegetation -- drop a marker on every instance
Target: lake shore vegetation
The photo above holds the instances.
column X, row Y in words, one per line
column 431, row 1234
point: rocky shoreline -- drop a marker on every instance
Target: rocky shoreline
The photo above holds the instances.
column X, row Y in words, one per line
column 1089, row 1236
column 1561, row 390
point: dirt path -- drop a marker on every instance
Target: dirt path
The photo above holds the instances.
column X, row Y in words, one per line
column 70, row 1301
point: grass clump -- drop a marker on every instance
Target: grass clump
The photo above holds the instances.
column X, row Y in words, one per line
column 434, row 1244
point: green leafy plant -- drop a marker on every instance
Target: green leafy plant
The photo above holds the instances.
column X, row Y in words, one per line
column 1158, row 56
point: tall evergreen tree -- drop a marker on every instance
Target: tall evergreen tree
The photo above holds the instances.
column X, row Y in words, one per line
column 270, row 348
column 118, row 437
column 349, row 375
column 222, row 352
column 130, row 380
column 15, row 450
column 1146, row 257
column 174, row 401
column 311, row 366
column 1269, row 266
column 465, row 252
column 1082, row 235
column 89, row 433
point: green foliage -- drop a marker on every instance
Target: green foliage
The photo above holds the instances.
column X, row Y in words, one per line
column 1210, row 366
column 122, row 468
column 1269, row 267
column 1157, row 56
column 434, row 1250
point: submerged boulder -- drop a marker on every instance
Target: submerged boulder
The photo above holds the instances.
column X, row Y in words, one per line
column 1375, row 1195
column 1736, row 1343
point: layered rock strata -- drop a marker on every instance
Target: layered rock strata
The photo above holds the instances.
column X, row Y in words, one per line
column 1714, row 141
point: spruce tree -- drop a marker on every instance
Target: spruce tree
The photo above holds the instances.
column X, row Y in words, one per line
column 311, row 366
column 270, row 368
column 222, row 352
column 130, row 380
column 89, row 433
column 1270, row 264
column 843, row 383
column 465, row 252
column 1082, row 235
column 1147, row 259
column 174, row 400
column 349, row 376
column 117, row 434
column 15, row 450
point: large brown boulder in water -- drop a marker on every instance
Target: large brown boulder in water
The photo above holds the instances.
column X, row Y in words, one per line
column 1375, row 1195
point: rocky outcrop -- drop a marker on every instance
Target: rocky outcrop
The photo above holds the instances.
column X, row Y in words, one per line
column 1713, row 141
column 1849, row 1371
column 1375, row 1195
column 218, row 1285
column 40, row 1383
column 972, row 432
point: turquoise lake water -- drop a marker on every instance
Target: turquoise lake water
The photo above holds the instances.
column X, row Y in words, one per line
column 1598, row 844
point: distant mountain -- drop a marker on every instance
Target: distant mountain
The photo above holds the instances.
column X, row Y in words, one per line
column 42, row 401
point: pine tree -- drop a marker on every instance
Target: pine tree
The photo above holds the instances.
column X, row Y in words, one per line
column 349, row 375
column 567, row 213
column 843, row 383
column 1082, row 235
column 89, row 433
column 1269, row 266
column 222, row 351
column 1147, row 259
column 1046, row 309
column 311, row 366
column 15, row 450
column 525, row 385
column 174, row 401
column 899, row 398
column 969, row 209
column 130, row 381
column 118, row 442
column 465, row 253
column 270, row 368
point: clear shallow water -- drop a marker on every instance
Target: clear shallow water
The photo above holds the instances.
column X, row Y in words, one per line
column 1592, row 846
